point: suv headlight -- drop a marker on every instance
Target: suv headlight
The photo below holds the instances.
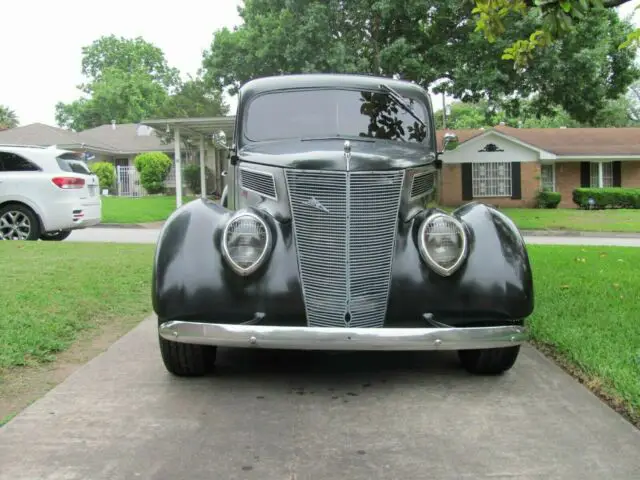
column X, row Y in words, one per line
column 246, row 241
column 442, row 243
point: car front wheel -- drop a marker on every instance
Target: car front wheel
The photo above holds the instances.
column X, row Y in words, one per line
column 18, row 222
column 55, row 236
column 187, row 360
column 489, row 361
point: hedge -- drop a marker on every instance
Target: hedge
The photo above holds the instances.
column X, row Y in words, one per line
column 615, row 197
column 546, row 199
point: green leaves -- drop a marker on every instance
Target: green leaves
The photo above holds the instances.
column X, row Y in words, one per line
column 8, row 118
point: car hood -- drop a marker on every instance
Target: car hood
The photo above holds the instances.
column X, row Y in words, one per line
column 329, row 154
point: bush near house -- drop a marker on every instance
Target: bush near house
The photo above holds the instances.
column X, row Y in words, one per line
column 191, row 174
column 607, row 197
column 547, row 199
column 106, row 173
column 153, row 168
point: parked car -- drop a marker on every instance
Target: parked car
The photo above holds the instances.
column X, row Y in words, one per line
column 324, row 240
column 45, row 193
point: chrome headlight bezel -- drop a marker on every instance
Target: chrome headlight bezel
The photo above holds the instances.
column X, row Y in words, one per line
column 424, row 252
column 245, row 271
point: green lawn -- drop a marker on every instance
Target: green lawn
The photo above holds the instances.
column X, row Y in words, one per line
column 587, row 309
column 152, row 208
column 574, row 219
column 52, row 291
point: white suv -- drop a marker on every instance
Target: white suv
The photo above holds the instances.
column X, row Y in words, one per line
column 45, row 193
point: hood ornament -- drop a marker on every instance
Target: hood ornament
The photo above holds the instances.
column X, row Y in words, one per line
column 314, row 203
column 347, row 154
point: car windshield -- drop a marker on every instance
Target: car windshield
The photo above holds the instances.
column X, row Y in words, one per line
column 327, row 113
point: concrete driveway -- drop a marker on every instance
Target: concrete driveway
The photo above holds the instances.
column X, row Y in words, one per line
column 294, row 415
column 148, row 235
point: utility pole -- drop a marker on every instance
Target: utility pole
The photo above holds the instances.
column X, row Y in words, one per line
column 444, row 113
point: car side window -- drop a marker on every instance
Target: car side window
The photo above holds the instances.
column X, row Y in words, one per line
column 10, row 162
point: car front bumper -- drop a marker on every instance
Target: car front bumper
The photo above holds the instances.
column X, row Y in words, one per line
column 320, row 338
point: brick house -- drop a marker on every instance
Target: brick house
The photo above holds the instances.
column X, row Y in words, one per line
column 506, row 166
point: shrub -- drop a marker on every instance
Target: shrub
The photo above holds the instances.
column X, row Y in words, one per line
column 154, row 168
column 615, row 197
column 106, row 173
column 548, row 199
column 191, row 174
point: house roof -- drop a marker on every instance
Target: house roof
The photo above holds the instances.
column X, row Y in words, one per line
column 566, row 141
column 38, row 134
column 126, row 138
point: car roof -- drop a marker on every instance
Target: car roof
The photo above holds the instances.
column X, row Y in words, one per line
column 326, row 80
column 32, row 149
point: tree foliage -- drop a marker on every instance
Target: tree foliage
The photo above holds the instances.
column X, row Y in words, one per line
column 153, row 168
column 8, row 118
column 554, row 19
column 128, row 80
column 616, row 113
column 579, row 72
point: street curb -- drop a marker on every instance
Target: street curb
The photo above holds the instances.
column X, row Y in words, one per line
column 575, row 233
column 527, row 233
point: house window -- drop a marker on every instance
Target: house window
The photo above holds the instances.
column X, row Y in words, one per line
column 491, row 179
column 548, row 177
column 601, row 174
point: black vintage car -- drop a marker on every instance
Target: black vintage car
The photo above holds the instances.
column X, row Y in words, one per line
column 323, row 240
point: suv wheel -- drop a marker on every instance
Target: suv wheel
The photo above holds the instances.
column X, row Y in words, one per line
column 55, row 236
column 489, row 361
column 18, row 222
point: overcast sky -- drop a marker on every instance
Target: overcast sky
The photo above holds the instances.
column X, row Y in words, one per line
column 40, row 55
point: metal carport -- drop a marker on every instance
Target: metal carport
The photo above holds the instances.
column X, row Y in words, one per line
column 201, row 129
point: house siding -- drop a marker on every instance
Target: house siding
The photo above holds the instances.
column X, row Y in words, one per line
column 567, row 180
column 451, row 194
column 630, row 174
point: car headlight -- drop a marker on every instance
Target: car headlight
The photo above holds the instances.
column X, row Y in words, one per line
column 246, row 240
column 442, row 243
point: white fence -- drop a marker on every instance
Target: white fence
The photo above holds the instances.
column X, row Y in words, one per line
column 128, row 181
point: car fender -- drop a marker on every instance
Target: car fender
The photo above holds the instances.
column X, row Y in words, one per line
column 494, row 283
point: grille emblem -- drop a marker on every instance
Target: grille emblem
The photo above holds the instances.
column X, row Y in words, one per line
column 313, row 202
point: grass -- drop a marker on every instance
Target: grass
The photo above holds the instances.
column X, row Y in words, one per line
column 586, row 316
column 53, row 291
column 128, row 210
column 574, row 219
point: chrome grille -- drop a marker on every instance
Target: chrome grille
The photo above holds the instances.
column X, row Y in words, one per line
column 422, row 184
column 261, row 183
column 345, row 225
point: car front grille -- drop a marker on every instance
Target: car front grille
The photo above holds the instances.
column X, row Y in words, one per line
column 345, row 226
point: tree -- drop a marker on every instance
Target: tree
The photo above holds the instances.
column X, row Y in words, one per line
column 579, row 72
column 8, row 118
column 127, row 80
column 554, row 19
column 194, row 98
column 616, row 113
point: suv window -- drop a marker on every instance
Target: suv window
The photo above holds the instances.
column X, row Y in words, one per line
column 10, row 162
column 333, row 113
column 71, row 162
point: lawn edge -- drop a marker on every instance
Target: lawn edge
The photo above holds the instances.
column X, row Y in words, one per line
column 589, row 381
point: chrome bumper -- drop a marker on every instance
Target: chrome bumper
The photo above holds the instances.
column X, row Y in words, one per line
column 320, row 338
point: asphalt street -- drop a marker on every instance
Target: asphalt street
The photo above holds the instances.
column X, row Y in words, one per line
column 144, row 235
column 273, row 415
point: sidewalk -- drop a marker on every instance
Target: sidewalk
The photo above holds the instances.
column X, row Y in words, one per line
column 530, row 233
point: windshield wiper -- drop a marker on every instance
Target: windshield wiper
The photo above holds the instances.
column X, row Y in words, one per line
column 399, row 99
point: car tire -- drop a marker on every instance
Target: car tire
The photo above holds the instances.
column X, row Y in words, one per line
column 55, row 236
column 489, row 361
column 34, row 222
column 186, row 359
